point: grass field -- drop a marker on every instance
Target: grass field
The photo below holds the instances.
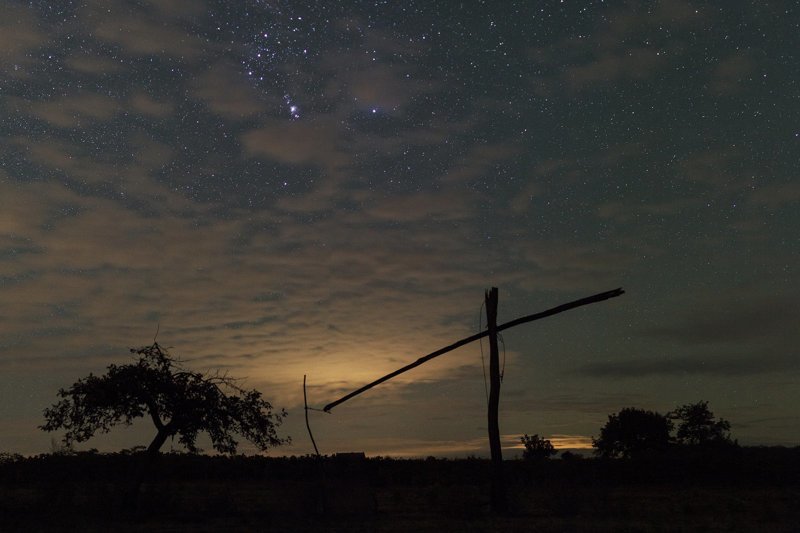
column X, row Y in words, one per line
column 200, row 493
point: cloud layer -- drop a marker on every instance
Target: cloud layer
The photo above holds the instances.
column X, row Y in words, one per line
column 337, row 208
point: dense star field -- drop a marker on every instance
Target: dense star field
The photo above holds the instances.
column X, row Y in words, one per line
column 283, row 188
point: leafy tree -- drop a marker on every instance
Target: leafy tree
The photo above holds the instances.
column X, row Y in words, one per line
column 536, row 448
column 633, row 431
column 179, row 402
column 8, row 458
column 697, row 426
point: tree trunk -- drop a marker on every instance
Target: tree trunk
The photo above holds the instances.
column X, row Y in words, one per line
column 161, row 437
column 145, row 468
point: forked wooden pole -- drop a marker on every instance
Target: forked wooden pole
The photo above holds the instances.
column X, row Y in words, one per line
column 499, row 500
column 498, row 486
column 522, row 320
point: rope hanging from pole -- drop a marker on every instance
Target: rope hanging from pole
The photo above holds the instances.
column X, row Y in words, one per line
column 308, row 426
column 483, row 360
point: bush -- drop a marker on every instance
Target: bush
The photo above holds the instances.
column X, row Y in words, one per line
column 536, row 448
column 633, row 432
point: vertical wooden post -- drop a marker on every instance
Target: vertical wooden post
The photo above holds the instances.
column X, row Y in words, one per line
column 499, row 503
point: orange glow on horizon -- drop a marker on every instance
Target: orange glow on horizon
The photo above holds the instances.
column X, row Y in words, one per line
column 478, row 447
column 564, row 442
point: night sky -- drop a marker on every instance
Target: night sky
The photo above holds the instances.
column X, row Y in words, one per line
column 284, row 188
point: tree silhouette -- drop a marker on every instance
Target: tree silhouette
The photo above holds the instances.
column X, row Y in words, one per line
column 178, row 401
column 536, row 448
column 632, row 432
column 697, row 426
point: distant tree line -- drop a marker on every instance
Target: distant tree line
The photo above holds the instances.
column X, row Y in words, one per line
column 633, row 432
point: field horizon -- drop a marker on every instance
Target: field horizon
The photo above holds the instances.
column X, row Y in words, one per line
column 737, row 490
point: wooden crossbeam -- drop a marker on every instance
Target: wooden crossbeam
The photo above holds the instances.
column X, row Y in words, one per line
column 441, row 351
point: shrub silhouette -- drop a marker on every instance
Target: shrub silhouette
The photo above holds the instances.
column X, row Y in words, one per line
column 536, row 448
column 633, row 431
column 698, row 427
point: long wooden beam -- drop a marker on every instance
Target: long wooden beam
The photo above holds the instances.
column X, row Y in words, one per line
column 522, row 320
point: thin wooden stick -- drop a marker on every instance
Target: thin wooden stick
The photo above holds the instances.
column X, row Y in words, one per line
column 308, row 426
column 529, row 318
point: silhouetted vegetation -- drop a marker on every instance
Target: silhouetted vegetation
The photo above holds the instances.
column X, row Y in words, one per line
column 697, row 426
column 6, row 457
column 632, row 432
column 741, row 489
column 537, row 448
column 697, row 478
column 178, row 401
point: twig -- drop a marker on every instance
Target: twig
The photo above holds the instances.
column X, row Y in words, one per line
column 308, row 426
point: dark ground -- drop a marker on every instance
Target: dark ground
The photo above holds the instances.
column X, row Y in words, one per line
column 746, row 489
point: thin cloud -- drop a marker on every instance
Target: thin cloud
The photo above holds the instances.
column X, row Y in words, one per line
column 633, row 64
column 146, row 105
column 77, row 110
column 227, row 94
column 19, row 33
column 563, row 442
column 729, row 320
column 86, row 63
column 714, row 365
column 140, row 31
column 733, row 74
column 315, row 142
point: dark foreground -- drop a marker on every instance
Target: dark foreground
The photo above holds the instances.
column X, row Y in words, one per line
column 748, row 489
